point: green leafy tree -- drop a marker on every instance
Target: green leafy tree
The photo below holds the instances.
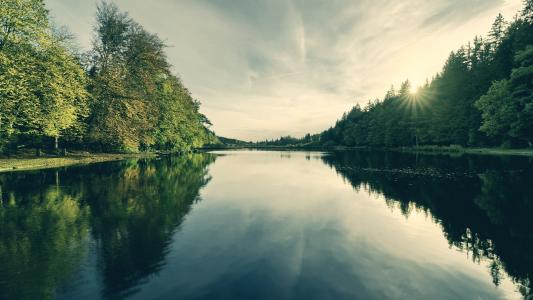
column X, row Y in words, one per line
column 22, row 22
column 42, row 85
column 497, row 109
column 508, row 106
column 138, row 103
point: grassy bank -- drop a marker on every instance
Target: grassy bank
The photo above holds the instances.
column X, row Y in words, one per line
column 29, row 162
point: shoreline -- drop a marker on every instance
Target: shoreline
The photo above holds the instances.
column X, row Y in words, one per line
column 27, row 163
column 473, row 151
column 423, row 150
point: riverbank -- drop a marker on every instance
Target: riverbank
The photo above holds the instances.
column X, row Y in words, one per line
column 462, row 150
column 422, row 149
column 26, row 162
column 31, row 162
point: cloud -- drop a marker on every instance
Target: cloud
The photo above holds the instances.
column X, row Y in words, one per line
column 458, row 11
column 269, row 68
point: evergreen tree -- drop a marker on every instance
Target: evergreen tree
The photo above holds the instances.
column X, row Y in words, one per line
column 497, row 31
column 482, row 97
column 521, row 89
column 527, row 11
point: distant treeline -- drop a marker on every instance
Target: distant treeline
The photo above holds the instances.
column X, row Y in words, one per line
column 482, row 97
column 121, row 95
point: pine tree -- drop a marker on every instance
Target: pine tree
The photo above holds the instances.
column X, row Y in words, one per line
column 527, row 11
column 497, row 31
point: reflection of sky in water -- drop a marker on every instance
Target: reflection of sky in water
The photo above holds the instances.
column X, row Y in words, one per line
column 277, row 225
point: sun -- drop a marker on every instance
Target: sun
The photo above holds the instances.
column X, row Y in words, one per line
column 413, row 90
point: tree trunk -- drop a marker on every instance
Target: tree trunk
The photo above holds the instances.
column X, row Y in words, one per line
column 38, row 152
column 56, row 144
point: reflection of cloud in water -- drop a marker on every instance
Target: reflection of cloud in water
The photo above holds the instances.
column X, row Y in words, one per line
column 278, row 225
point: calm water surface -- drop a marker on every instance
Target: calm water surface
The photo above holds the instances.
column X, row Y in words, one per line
column 271, row 225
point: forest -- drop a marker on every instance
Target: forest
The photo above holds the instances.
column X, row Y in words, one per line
column 483, row 97
column 122, row 96
column 119, row 96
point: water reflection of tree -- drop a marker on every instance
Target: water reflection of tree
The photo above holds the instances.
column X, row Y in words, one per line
column 43, row 235
column 135, row 210
column 131, row 209
column 483, row 204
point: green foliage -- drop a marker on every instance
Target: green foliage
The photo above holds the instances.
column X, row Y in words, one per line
column 507, row 108
column 22, row 22
column 497, row 32
column 42, row 85
column 527, row 11
column 482, row 97
column 498, row 112
column 126, row 100
column 138, row 103
column 180, row 124
column 521, row 89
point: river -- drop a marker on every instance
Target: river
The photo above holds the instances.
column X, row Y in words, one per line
column 271, row 225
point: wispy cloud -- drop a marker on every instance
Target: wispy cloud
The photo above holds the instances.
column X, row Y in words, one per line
column 267, row 68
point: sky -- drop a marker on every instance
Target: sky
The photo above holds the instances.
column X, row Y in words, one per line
column 270, row 68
